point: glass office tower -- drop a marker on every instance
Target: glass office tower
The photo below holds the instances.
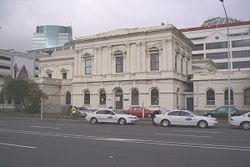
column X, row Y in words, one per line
column 49, row 36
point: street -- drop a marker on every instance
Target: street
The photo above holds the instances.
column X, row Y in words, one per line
column 30, row 142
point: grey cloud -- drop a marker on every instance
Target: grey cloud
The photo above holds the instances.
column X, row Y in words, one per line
column 18, row 18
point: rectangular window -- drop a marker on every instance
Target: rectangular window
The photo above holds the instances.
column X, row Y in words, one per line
column 241, row 54
column 221, row 65
column 64, row 75
column 222, row 55
column 49, row 75
column 198, row 47
column 154, row 61
column 198, row 56
column 4, row 67
column 241, row 64
column 216, row 45
column 4, row 58
column 119, row 64
column 88, row 66
column 241, row 43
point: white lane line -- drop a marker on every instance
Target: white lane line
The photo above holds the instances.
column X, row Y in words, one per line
column 43, row 127
column 133, row 141
column 17, row 145
column 69, row 125
column 196, row 131
column 168, row 134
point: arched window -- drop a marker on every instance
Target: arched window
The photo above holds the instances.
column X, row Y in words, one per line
column 231, row 97
column 102, row 97
column 154, row 59
column 247, row 96
column 118, row 98
column 68, row 98
column 118, row 62
column 87, row 97
column 134, row 97
column 154, row 97
column 210, row 94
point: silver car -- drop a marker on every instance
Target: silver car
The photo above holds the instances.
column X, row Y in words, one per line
column 82, row 111
column 184, row 118
column 109, row 116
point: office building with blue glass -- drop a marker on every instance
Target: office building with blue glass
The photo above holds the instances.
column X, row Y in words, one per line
column 50, row 36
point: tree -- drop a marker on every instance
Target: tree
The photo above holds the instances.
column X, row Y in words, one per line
column 25, row 94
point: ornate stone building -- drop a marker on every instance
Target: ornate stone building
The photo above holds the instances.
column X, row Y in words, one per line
column 120, row 68
column 147, row 66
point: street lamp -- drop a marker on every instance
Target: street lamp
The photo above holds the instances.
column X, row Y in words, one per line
column 229, row 64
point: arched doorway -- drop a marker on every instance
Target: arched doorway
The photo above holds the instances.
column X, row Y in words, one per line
column 118, row 97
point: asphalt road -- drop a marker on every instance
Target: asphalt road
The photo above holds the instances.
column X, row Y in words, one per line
column 35, row 143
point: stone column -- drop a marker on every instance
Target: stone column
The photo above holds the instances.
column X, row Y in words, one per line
column 138, row 57
column 128, row 58
column 143, row 56
column 163, row 56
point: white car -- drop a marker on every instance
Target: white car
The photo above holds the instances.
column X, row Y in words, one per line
column 184, row 117
column 108, row 115
column 242, row 121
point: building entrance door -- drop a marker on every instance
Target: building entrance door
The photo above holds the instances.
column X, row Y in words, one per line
column 118, row 99
column 190, row 104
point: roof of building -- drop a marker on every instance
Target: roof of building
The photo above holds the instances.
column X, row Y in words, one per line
column 12, row 52
column 217, row 22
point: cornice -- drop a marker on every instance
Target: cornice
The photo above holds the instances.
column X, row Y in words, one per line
column 126, row 33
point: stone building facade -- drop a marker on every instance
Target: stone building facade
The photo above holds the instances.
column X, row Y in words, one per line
column 120, row 68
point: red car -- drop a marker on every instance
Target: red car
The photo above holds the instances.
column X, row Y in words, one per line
column 137, row 111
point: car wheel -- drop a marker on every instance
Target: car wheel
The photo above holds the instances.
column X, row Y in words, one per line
column 93, row 121
column 122, row 121
column 165, row 123
column 245, row 125
column 202, row 124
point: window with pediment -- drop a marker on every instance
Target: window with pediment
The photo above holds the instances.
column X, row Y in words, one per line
column 118, row 62
column 154, row 59
column 88, row 65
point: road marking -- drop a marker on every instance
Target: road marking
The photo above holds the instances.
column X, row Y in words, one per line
column 43, row 127
column 133, row 141
column 70, row 125
column 196, row 131
column 17, row 145
column 168, row 134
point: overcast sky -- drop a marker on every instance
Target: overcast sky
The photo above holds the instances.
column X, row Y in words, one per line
column 19, row 18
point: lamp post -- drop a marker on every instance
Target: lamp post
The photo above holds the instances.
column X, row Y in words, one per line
column 229, row 65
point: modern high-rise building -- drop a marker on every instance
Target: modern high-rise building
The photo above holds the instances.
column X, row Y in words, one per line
column 210, row 42
column 15, row 63
column 50, row 36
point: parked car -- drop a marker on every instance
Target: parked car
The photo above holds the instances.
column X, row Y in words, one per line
column 82, row 111
column 184, row 117
column 108, row 115
column 242, row 121
column 223, row 112
column 138, row 110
